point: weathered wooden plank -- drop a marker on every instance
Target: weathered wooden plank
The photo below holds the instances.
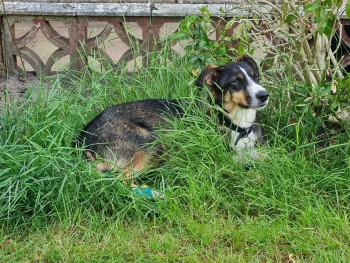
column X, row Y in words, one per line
column 112, row 9
column 74, row 9
column 124, row 9
column 134, row 1
column 171, row 10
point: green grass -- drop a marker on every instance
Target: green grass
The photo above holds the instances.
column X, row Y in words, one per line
column 291, row 205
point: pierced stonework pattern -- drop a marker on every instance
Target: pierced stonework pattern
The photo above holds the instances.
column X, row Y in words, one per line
column 23, row 53
column 49, row 44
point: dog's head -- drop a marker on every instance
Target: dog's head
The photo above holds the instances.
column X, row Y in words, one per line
column 235, row 85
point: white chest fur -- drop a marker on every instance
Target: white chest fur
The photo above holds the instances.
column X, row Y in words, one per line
column 245, row 147
column 243, row 118
column 244, row 142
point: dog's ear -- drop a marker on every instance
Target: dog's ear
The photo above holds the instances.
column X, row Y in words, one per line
column 208, row 76
column 250, row 61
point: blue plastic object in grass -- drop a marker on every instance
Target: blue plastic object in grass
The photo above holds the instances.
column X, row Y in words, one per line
column 142, row 191
column 147, row 193
column 106, row 173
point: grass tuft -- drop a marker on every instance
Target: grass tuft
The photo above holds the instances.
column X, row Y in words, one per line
column 290, row 205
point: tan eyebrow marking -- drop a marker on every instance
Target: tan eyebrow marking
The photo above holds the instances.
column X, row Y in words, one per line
column 240, row 77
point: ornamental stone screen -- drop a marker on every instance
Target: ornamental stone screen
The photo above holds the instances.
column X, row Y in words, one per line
column 45, row 36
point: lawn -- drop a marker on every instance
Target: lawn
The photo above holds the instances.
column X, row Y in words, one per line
column 291, row 206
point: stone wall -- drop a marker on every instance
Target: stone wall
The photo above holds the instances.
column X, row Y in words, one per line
column 45, row 36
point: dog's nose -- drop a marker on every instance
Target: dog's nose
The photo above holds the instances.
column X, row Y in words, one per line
column 262, row 95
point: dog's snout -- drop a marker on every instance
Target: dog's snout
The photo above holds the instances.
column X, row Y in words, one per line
column 262, row 95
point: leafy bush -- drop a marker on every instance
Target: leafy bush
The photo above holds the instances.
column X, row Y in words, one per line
column 295, row 40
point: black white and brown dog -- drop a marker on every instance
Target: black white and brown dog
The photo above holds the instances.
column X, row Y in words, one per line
column 118, row 137
column 237, row 97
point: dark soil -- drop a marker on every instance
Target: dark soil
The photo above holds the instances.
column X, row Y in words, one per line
column 15, row 87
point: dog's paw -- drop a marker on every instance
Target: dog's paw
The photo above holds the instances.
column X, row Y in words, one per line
column 246, row 155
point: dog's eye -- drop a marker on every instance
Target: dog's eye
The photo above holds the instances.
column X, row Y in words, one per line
column 236, row 81
column 235, row 84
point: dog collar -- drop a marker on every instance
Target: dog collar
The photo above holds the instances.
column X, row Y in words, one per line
column 243, row 132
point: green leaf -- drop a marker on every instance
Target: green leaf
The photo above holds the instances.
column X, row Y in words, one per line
column 193, row 58
column 300, row 105
column 311, row 7
column 329, row 26
column 334, row 105
column 347, row 8
column 179, row 35
column 338, row 3
column 290, row 19
column 204, row 9
column 320, row 13
column 240, row 49
column 316, row 102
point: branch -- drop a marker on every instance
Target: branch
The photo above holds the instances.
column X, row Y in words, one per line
column 333, row 59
